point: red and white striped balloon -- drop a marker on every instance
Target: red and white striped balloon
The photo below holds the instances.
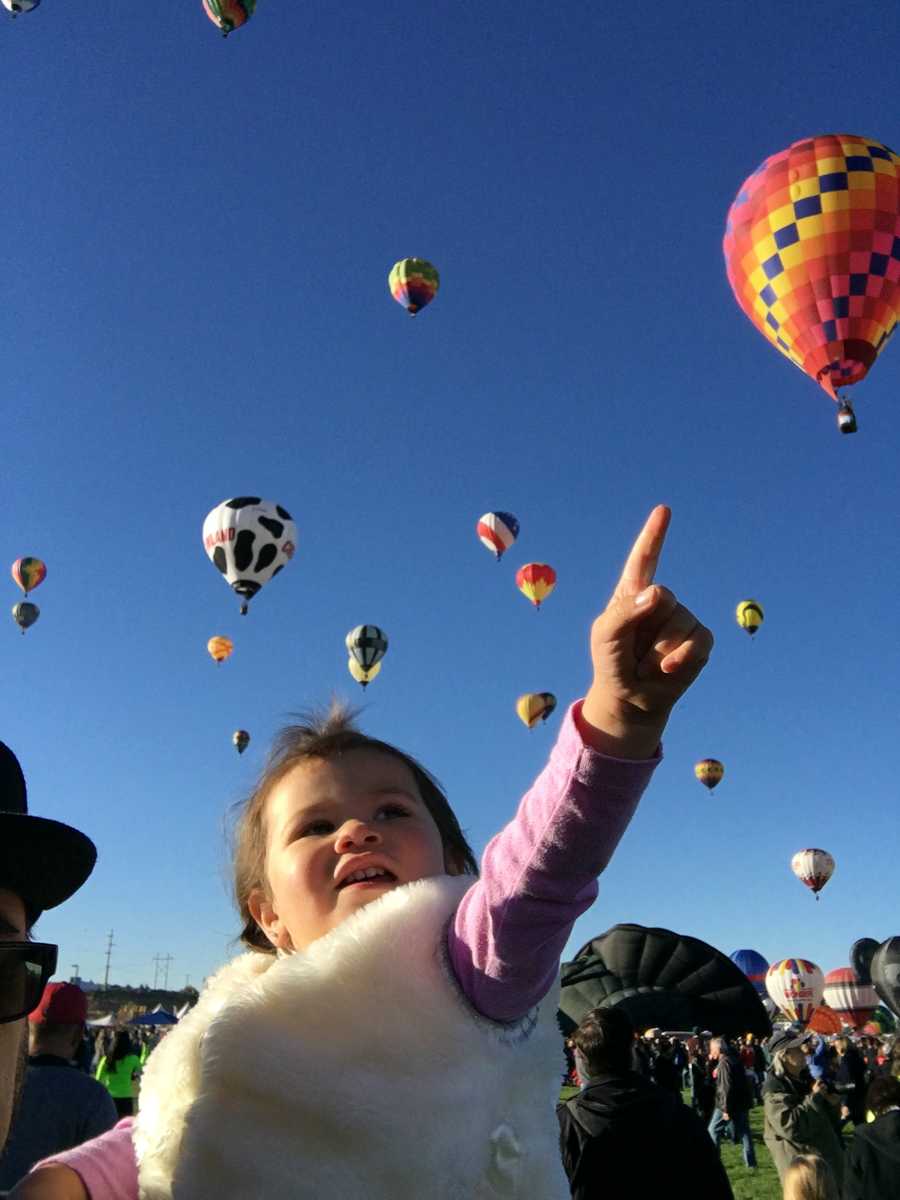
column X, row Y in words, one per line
column 813, row 867
column 854, row 1002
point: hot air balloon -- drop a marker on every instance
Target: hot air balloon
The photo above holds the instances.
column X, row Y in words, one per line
column 825, row 1020
column 229, row 14
column 710, row 772
column 367, row 645
column 497, row 531
column 853, row 1001
column 414, row 282
column 861, row 953
column 534, row 707
column 749, row 615
column 886, row 973
column 249, row 540
column 813, row 868
column 28, row 573
column 754, row 966
column 811, row 255
column 25, row 614
column 796, row 986
column 19, row 6
column 660, row 979
column 536, row 581
column 241, row 739
column 220, row 648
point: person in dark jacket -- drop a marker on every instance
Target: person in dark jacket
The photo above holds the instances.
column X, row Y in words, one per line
column 733, row 1099
column 850, row 1081
column 623, row 1135
column 801, row 1115
column 872, row 1167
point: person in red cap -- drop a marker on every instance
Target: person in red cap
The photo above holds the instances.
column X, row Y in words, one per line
column 42, row 863
column 60, row 1107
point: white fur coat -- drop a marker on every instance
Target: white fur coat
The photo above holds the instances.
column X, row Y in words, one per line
column 357, row 1070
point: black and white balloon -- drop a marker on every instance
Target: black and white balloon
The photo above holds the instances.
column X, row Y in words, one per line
column 249, row 540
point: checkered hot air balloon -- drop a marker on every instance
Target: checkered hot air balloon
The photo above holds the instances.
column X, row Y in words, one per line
column 536, row 581
column 414, row 282
column 229, row 15
column 796, row 987
column 813, row 868
column 812, row 251
column 367, row 645
column 497, row 531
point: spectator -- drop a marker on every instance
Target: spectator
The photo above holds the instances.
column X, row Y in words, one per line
column 873, row 1161
column 60, row 1107
column 703, row 1086
column 118, row 1072
column 623, row 1135
column 850, row 1081
column 733, row 1099
column 42, row 863
column 809, row 1177
column 800, row 1117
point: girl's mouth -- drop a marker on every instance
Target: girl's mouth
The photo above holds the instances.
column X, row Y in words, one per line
column 368, row 877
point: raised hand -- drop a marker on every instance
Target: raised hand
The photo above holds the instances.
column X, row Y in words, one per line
column 647, row 650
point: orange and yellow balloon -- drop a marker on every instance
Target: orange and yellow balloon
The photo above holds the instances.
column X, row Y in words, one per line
column 28, row 573
column 710, row 772
column 220, row 648
column 534, row 707
column 536, row 581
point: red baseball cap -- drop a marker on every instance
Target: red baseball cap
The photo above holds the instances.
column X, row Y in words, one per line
column 61, row 1004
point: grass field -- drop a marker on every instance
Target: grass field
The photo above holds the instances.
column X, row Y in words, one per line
column 761, row 1184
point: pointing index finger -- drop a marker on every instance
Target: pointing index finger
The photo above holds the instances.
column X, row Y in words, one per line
column 640, row 566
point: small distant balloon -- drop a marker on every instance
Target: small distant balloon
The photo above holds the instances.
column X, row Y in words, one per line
column 534, row 707
column 749, row 615
column 19, row 6
column 25, row 614
column 414, row 282
column 228, row 15
column 710, row 772
column 220, row 648
column 813, row 867
column 241, row 739
column 28, row 573
column 536, row 581
column 497, row 531
column 367, row 645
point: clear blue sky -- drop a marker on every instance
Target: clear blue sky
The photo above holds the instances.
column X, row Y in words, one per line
column 196, row 240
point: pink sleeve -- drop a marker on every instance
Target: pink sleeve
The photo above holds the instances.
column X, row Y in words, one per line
column 540, row 873
column 106, row 1164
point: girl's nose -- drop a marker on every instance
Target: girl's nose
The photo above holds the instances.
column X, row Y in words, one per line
column 356, row 835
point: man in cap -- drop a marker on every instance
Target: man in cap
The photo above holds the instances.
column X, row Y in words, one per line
column 801, row 1116
column 60, row 1107
column 42, row 863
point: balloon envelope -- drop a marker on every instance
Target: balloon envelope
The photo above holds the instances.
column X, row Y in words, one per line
column 361, row 674
column 229, row 14
column 534, row 707
column 810, row 254
column 19, row 6
column 367, row 645
column 754, row 966
column 536, row 581
column 25, row 614
column 796, row 986
column 825, row 1020
column 249, row 541
column 710, row 772
column 749, row 615
column 220, row 648
column 861, row 953
column 886, row 974
column 28, row 573
column 853, row 1001
column 813, row 867
column 660, row 978
column 414, row 282
column 241, row 740
column 497, row 531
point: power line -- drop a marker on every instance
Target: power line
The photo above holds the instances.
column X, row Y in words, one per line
column 109, row 946
column 167, row 958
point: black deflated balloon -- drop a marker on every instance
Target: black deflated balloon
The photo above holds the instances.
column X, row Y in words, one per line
column 886, row 973
column 861, row 953
column 660, row 979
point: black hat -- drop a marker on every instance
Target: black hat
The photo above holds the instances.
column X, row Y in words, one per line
column 42, row 861
column 783, row 1039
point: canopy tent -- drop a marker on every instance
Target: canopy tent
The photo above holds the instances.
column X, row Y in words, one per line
column 158, row 1016
column 104, row 1022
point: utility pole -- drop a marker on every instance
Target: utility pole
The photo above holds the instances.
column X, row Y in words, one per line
column 187, row 982
column 75, row 972
column 167, row 958
column 157, row 959
column 109, row 946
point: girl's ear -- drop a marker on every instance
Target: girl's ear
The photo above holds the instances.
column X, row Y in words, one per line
column 263, row 913
column 452, row 863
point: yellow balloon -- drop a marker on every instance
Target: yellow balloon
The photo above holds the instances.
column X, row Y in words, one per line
column 534, row 707
column 220, row 648
column 749, row 615
column 710, row 772
column 360, row 674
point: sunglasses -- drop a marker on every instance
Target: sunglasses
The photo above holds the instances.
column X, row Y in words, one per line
column 25, row 968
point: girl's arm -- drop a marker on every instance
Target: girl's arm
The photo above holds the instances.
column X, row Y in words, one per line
column 102, row 1169
column 540, row 873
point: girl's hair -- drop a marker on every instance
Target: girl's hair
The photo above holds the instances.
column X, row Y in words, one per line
column 323, row 735
column 809, row 1177
column 121, row 1049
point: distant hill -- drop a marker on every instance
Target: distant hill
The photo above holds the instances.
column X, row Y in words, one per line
column 127, row 1002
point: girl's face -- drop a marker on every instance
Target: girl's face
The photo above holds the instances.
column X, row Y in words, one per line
column 328, row 821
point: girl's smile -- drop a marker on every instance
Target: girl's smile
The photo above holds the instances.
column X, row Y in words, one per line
column 341, row 832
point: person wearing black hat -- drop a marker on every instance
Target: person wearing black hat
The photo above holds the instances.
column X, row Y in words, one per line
column 42, row 863
column 801, row 1117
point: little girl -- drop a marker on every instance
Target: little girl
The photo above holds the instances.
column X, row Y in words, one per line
column 392, row 1033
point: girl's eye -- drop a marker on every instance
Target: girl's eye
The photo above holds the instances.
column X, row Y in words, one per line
column 392, row 810
column 317, row 828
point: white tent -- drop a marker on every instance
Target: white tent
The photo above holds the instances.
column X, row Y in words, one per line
column 109, row 1019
